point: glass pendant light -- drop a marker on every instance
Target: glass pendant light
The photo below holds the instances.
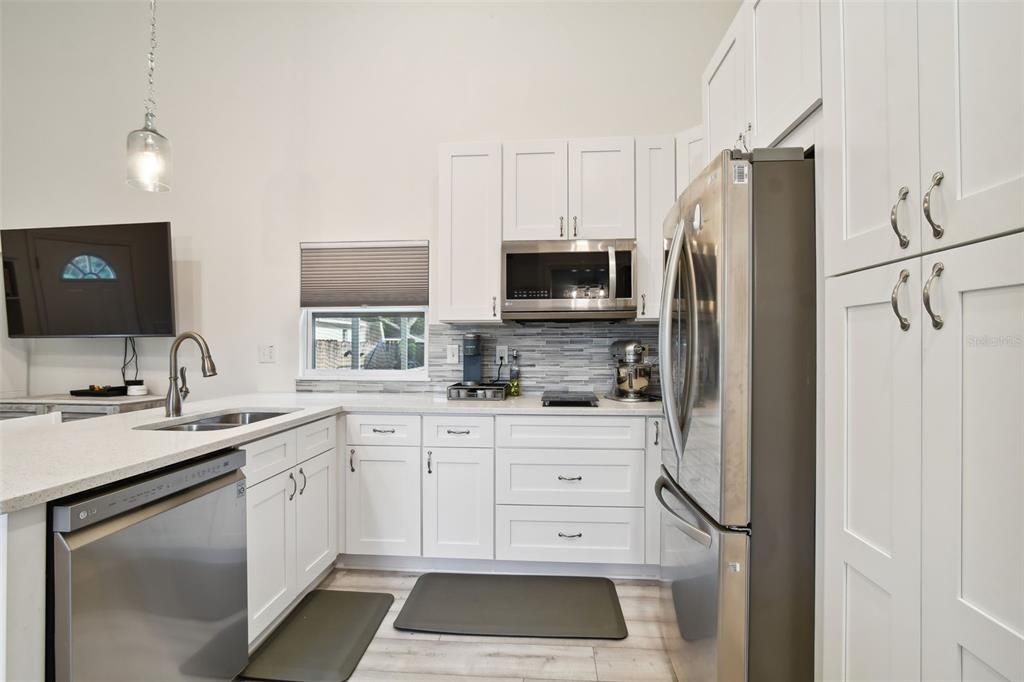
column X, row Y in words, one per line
column 149, row 152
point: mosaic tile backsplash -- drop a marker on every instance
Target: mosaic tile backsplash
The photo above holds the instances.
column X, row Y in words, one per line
column 552, row 355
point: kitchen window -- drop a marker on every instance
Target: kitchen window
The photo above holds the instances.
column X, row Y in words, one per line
column 364, row 310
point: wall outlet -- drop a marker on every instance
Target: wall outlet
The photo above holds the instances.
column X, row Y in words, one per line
column 267, row 353
column 452, row 357
column 501, row 355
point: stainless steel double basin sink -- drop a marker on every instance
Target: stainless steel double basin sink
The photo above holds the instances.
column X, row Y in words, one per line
column 217, row 422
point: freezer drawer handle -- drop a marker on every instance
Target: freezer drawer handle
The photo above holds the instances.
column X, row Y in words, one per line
column 569, row 478
column 569, row 536
column 696, row 533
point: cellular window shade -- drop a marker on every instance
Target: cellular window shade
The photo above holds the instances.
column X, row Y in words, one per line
column 371, row 274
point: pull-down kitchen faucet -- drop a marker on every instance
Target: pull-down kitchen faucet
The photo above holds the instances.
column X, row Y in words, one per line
column 175, row 396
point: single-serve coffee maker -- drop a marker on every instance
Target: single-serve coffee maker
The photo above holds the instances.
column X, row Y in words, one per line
column 632, row 372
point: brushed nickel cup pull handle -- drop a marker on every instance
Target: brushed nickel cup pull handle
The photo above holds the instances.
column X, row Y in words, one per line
column 351, row 461
column 575, row 232
column 926, row 204
column 657, row 432
column 569, row 478
column 459, row 432
column 894, row 299
column 304, row 481
column 569, row 535
column 430, row 457
column 376, row 430
column 295, row 487
column 937, row 321
column 561, row 226
column 643, row 304
column 902, row 195
column 494, row 306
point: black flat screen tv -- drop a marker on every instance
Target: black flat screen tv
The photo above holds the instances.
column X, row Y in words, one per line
column 93, row 280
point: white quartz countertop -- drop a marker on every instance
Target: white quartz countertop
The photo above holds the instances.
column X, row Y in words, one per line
column 67, row 398
column 50, row 461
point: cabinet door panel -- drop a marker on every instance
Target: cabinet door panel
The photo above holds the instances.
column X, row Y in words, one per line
column 601, row 199
column 316, row 514
column 872, row 476
column 270, row 539
column 787, row 65
column 724, row 86
column 972, row 105
column 469, row 232
column 655, row 194
column 691, row 157
column 458, row 503
column 973, row 548
column 382, row 500
column 870, row 148
column 534, row 190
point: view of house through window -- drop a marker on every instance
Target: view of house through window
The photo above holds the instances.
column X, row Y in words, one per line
column 373, row 340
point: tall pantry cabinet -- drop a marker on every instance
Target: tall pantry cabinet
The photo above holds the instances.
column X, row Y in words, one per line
column 924, row 336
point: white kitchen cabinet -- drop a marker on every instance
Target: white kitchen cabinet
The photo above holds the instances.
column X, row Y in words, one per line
column 469, row 232
column 555, row 431
column 655, row 194
column 458, row 502
column 657, row 442
column 601, row 189
column 270, row 456
column 870, row 133
column 725, row 89
column 382, row 500
column 316, row 543
column 971, row 67
column 691, row 157
column 973, row 440
column 534, row 195
column 563, row 477
column 872, row 421
column 786, row 83
column 270, row 549
column 602, row 535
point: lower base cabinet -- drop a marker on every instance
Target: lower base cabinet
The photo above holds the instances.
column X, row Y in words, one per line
column 291, row 536
column 458, row 503
column 382, row 500
column 606, row 535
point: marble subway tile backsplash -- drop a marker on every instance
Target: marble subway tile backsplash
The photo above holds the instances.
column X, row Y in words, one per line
column 566, row 355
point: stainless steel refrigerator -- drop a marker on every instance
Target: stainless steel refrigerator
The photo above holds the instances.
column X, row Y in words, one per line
column 737, row 365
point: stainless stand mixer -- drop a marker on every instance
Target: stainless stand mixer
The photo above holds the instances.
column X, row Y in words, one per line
column 632, row 373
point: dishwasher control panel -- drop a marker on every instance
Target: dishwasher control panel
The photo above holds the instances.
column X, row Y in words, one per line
column 85, row 510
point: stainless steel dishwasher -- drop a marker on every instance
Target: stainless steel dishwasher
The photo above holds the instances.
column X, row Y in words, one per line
column 149, row 579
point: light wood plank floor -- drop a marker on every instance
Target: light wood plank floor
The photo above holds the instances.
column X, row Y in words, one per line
column 397, row 656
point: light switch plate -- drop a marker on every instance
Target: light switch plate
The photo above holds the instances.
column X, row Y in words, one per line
column 267, row 353
column 501, row 355
column 452, row 357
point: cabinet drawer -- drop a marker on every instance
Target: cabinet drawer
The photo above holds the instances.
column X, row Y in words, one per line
column 382, row 429
column 603, row 535
column 316, row 437
column 458, row 431
column 268, row 457
column 599, row 478
column 542, row 431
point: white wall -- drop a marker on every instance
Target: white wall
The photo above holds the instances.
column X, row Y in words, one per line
column 294, row 121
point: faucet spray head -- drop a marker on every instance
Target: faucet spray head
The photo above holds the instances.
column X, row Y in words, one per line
column 209, row 369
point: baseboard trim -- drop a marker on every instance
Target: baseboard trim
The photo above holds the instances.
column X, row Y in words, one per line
column 422, row 564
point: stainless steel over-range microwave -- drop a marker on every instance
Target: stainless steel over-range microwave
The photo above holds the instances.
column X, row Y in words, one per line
column 564, row 279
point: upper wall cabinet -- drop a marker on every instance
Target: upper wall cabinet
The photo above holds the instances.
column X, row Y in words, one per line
column 765, row 76
column 971, row 66
column 871, row 193
column 903, row 179
column 577, row 189
column 727, row 107
column 691, row 156
column 469, row 233
column 655, row 194
column 535, row 192
column 787, row 66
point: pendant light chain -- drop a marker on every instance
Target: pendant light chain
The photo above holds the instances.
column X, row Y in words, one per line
column 151, row 99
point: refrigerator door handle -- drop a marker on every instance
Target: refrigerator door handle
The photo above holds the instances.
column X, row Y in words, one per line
column 697, row 534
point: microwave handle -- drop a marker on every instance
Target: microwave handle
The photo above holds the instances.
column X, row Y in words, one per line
column 612, row 285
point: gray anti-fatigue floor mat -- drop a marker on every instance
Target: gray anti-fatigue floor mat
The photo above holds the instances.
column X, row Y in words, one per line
column 322, row 640
column 514, row 606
